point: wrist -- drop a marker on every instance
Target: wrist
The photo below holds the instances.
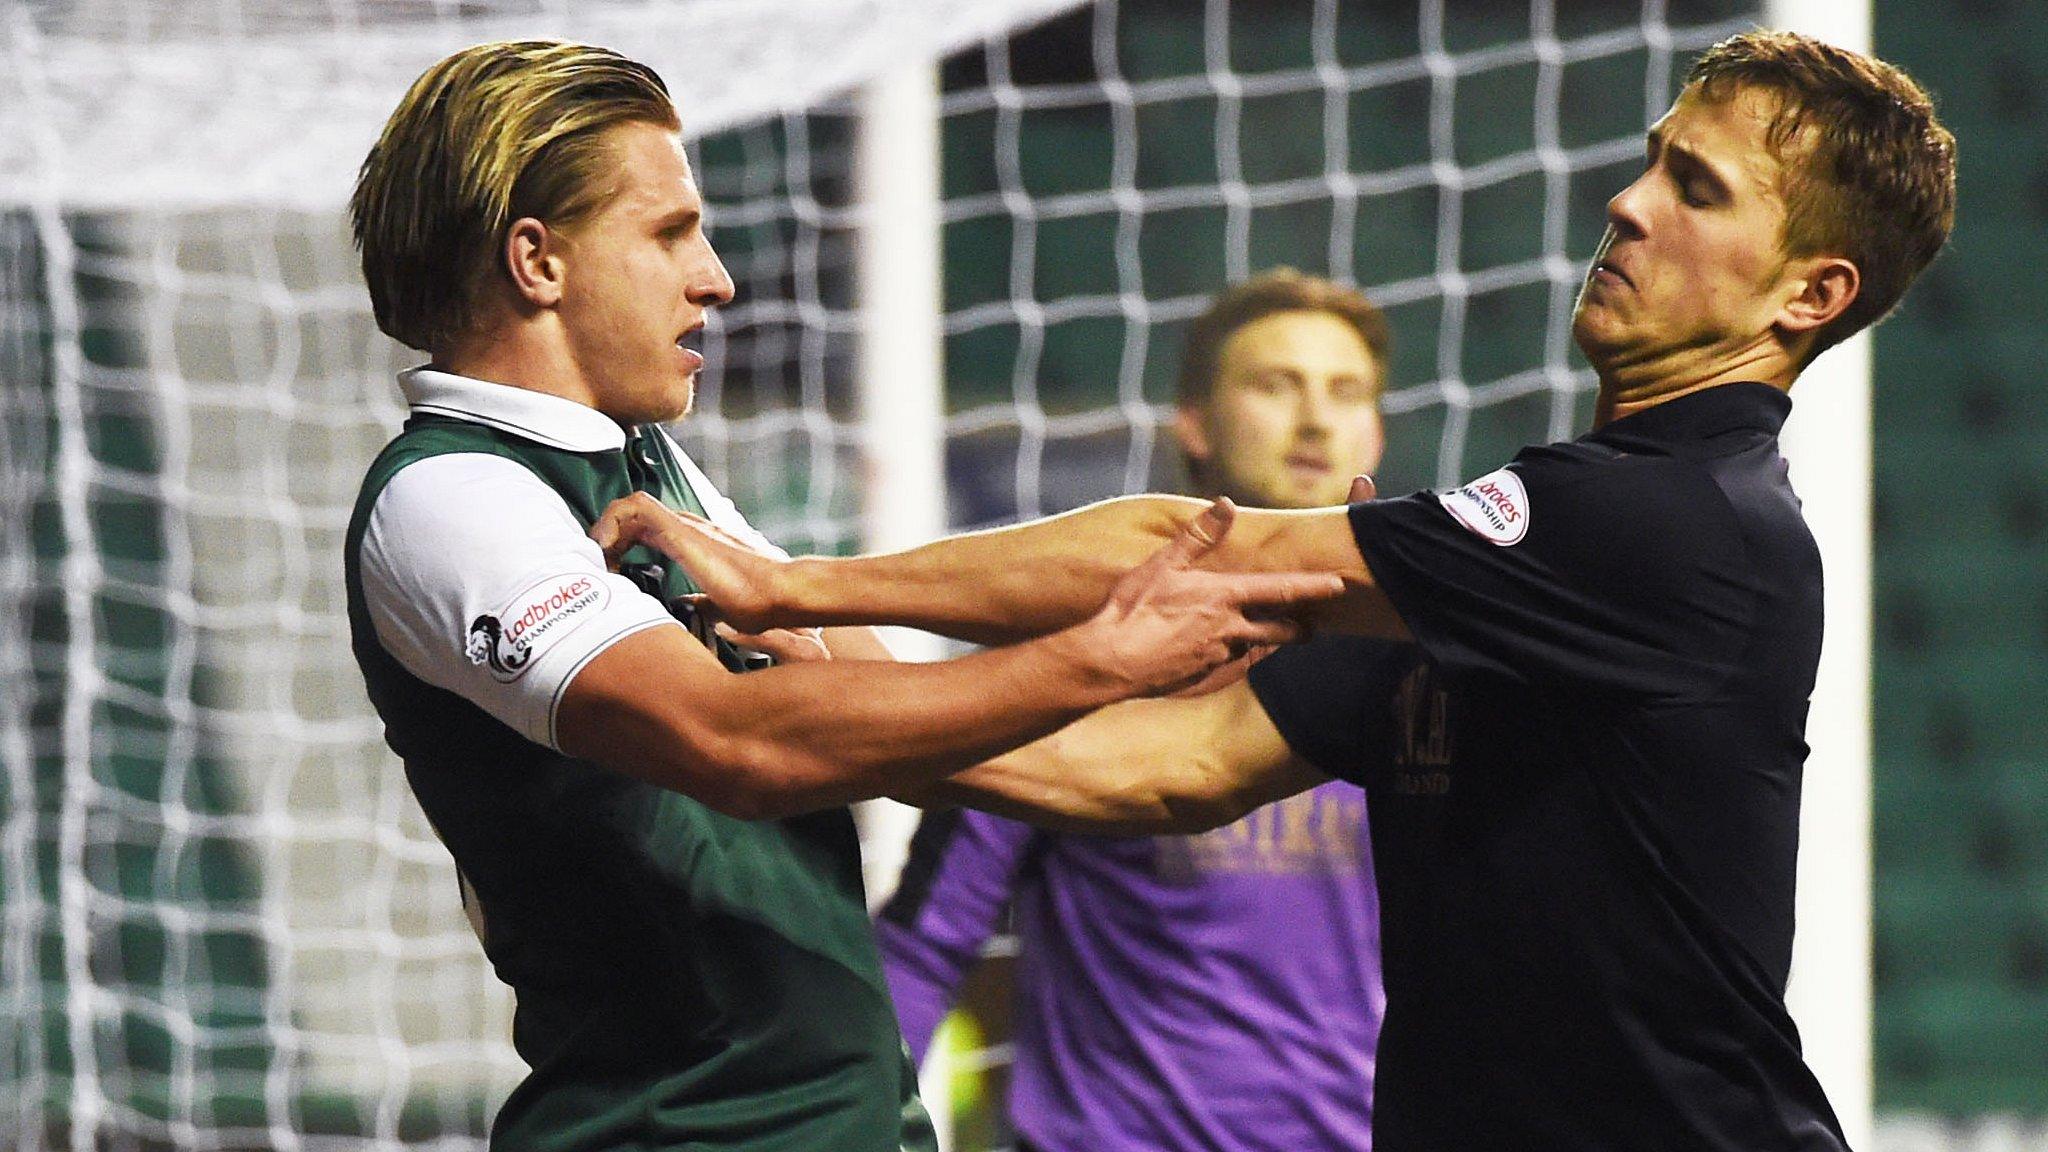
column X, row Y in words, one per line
column 786, row 592
column 1084, row 656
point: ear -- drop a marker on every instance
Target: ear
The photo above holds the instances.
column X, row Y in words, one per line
column 1193, row 437
column 1825, row 290
column 534, row 259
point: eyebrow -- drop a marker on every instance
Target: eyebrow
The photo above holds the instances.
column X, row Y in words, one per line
column 679, row 220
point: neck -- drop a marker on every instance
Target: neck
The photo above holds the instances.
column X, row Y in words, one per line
column 517, row 356
column 1626, row 389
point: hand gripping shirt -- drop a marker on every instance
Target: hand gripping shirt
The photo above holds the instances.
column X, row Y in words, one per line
column 1585, row 812
column 1218, row 991
column 683, row 979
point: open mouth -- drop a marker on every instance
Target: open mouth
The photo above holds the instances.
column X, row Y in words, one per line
column 691, row 345
column 1606, row 269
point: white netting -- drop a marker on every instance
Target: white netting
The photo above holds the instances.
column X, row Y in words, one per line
column 1454, row 159
column 226, row 924
column 274, row 102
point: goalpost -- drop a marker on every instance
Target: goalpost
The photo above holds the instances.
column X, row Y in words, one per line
column 223, row 923
column 1827, row 441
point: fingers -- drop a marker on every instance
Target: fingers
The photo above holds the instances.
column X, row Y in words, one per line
column 787, row 645
column 625, row 522
column 606, row 531
column 1283, row 589
column 641, row 519
column 1362, row 489
column 1259, row 631
column 1195, row 539
column 1211, row 524
column 1225, row 674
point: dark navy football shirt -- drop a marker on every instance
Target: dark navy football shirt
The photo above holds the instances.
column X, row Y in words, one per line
column 1585, row 798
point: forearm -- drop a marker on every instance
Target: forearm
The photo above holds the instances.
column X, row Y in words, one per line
column 1007, row 584
column 1139, row 767
column 989, row 587
column 802, row 737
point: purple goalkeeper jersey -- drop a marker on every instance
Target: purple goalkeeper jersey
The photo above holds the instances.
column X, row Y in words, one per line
column 1214, row 993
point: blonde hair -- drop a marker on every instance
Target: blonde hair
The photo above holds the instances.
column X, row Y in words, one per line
column 492, row 134
column 1870, row 173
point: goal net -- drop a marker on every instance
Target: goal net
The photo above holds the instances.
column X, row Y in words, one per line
column 223, row 922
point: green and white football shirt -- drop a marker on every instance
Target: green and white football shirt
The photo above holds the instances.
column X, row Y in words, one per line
column 684, row 979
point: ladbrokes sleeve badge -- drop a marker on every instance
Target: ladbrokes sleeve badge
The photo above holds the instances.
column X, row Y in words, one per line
column 1494, row 507
column 509, row 641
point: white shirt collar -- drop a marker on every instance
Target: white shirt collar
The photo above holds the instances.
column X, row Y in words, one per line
column 535, row 416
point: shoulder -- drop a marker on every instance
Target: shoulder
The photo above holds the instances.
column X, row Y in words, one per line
column 1600, row 498
column 424, row 440
column 465, row 494
column 453, row 519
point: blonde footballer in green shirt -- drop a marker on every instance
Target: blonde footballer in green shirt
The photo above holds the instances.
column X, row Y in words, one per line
column 654, row 848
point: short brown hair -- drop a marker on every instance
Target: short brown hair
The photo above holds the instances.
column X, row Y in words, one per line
column 1269, row 293
column 490, row 135
column 1870, row 173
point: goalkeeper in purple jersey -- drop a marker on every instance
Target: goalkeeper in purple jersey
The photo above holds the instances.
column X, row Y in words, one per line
column 1218, row 991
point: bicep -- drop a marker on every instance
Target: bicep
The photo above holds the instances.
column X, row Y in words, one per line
column 1316, row 540
column 651, row 706
column 1252, row 765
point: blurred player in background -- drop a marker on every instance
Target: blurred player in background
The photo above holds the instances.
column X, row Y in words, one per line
column 1219, row 991
column 654, row 850
column 1585, row 795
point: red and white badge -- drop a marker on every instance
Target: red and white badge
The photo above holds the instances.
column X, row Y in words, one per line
column 1494, row 507
column 510, row 640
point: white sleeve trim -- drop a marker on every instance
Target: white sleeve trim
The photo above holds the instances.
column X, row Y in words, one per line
column 480, row 580
column 625, row 629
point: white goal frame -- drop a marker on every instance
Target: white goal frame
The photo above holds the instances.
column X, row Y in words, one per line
column 1827, row 441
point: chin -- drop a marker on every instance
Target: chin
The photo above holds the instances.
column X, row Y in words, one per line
column 1292, row 498
column 674, row 406
column 1587, row 333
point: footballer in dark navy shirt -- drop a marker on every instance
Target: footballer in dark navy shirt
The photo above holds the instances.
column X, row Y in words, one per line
column 1584, row 771
column 1585, row 799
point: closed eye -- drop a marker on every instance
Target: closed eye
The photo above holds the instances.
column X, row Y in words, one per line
column 1697, row 182
column 679, row 225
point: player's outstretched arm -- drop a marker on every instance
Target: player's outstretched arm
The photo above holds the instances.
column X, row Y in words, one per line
column 1007, row 583
column 822, row 733
column 1138, row 767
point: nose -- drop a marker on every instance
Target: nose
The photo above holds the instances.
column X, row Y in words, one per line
column 1625, row 211
column 710, row 283
column 1312, row 409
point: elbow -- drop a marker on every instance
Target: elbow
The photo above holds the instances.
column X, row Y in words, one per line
column 1204, row 798
column 1163, row 805
column 1187, row 816
column 741, row 801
